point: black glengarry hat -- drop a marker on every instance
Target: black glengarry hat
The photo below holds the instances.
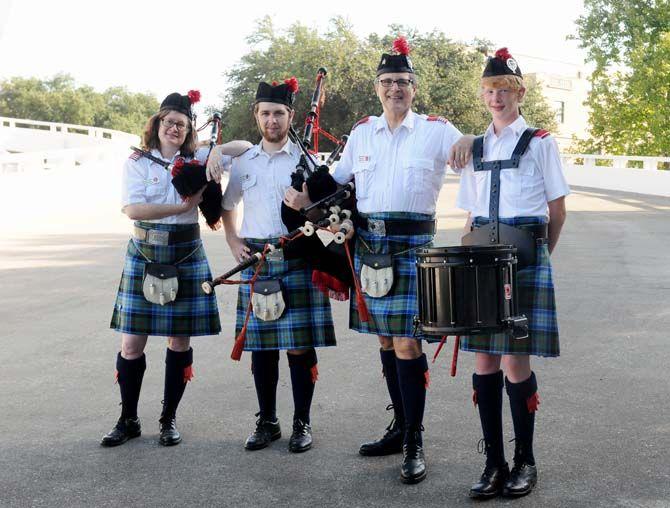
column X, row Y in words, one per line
column 181, row 103
column 501, row 64
column 283, row 93
column 397, row 62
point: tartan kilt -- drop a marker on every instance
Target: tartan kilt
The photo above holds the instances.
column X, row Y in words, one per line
column 393, row 314
column 307, row 321
column 535, row 291
column 193, row 313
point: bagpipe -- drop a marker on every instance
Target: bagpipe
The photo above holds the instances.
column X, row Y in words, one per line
column 324, row 252
column 188, row 177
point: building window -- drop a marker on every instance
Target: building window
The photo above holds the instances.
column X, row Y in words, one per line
column 559, row 110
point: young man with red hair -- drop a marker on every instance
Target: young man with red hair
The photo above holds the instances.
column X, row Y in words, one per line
column 515, row 179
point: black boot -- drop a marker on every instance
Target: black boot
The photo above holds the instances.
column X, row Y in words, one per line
column 413, row 468
column 412, row 379
column 129, row 376
column 304, row 374
column 391, row 441
column 266, row 432
column 488, row 397
column 524, row 400
column 178, row 371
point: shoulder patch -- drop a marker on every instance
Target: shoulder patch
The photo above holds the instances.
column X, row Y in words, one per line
column 542, row 134
column 436, row 118
column 135, row 156
column 361, row 122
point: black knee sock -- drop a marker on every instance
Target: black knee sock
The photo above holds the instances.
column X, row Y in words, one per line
column 265, row 368
column 390, row 370
column 412, row 379
column 523, row 401
column 129, row 376
column 303, row 379
column 488, row 395
column 178, row 371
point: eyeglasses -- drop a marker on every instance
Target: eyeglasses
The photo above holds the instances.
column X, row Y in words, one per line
column 171, row 123
column 388, row 83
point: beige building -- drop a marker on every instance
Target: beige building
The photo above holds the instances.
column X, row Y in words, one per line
column 565, row 86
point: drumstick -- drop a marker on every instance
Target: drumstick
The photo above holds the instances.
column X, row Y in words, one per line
column 439, row 347
column 454, row 357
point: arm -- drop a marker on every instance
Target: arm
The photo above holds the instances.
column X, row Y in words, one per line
column 146, row 211
column 460, row 152
column 215, row 165
column 238, row 248
column 557, row 215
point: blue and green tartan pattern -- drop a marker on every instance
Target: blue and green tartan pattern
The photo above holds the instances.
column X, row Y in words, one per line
column 391, row 315
column 535, row 292
column 307, row 321
column 193, row 313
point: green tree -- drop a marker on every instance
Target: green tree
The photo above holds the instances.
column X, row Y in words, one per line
column 448, row 74
column 58, row 99
column 629, row 43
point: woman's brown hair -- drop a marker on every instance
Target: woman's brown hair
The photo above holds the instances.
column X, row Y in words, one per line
column 150, row 135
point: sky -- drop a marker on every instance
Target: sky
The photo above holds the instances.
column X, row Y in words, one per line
column 163, row 46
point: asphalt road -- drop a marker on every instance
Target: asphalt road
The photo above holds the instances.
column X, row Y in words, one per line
column 603, row 429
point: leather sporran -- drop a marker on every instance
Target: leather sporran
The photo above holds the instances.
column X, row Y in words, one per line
column 267, row 300
column 160, row 283
column 376, row 274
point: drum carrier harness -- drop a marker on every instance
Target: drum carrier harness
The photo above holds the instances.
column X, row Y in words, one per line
column 495, row 232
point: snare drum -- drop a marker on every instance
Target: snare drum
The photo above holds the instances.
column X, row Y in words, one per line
column 468, row 290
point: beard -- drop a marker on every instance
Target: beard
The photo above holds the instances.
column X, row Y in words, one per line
column 274, row 136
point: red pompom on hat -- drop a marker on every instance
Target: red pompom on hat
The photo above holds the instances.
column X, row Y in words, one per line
column 194, row 96
column 503, row 54
column 401, row 46
column 292, row 84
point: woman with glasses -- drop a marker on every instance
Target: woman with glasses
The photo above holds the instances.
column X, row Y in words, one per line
column 159, row 293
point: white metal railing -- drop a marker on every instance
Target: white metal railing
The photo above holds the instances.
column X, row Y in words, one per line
column 100, row 144
column 616, row 161
column 65, row 128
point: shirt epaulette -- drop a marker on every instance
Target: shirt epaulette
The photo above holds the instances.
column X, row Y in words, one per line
column 135, row 156
column 360, row 122
column 436, row 118
column 541, row 133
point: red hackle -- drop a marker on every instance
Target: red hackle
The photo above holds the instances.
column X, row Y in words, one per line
column 188, row 373
column 314, row 372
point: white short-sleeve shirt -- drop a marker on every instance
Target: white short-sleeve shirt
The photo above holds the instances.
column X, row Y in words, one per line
column 525, row 191
column 399, row 171
column 147, row 182
column 260, row 180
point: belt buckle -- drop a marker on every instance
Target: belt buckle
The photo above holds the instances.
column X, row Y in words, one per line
column 276, row 255
column 377, row 227
column 158, row 237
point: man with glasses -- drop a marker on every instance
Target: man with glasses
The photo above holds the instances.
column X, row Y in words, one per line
column 398, row 161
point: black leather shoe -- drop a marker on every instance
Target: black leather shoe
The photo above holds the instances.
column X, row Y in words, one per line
column 491, row 482
column 413, row 469
column 125, row 429
column 265, row 433
column 521, row 480
column 390, row 443
column 301, row 439
column 169, row 435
